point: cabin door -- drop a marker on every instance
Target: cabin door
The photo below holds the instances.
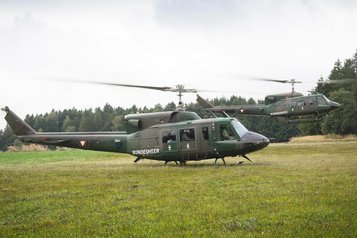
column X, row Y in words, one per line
column 188, row 139
column 204, row 139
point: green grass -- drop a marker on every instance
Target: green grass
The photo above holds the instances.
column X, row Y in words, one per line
column 291, row 190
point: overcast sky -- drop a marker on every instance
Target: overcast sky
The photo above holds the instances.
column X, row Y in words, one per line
column 203, row 44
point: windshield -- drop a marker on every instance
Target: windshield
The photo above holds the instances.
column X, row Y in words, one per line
column 322, row 100
column 240, row 129
column 326, row 99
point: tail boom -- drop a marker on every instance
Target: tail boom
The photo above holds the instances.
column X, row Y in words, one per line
column 102, row 141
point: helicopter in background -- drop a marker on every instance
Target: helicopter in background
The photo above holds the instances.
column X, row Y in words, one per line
column 177, row 136
column 293, row 106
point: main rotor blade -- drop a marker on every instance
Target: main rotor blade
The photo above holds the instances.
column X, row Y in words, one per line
column 280, row 80
column 131, row 85
column 291, row 81
column 178, row 88
column 338, row 81
column 273, row 80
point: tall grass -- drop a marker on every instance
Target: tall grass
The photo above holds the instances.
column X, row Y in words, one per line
column 290, row 190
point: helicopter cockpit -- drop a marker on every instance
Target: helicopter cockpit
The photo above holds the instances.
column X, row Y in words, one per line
column 232, row 131
column 322, row 100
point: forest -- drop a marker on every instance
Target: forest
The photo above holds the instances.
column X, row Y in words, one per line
column 342, row 121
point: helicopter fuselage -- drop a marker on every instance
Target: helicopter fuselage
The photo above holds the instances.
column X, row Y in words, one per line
column 284, row 105
column 300, row 106
column 182, row 141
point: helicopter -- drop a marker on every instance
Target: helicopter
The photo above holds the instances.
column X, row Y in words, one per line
column 293, row 106
column 170, row 136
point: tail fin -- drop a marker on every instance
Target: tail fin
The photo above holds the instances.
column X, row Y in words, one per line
column 19, row 127
column 203, row 103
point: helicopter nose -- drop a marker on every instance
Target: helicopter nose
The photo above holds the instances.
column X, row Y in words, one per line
column 334, row 105
column 255, row 141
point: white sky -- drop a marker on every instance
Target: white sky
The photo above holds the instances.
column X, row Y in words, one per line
column 203, row 44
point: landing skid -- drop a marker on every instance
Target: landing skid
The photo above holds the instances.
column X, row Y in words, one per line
column 171, row 161
column 182, row 163
column 240, row 162
column 245, row 157
column 215, row 162
column 305, row 120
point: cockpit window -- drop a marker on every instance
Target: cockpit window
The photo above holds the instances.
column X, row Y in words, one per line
column 321, row 100
column 226, row 132
column 240, row 129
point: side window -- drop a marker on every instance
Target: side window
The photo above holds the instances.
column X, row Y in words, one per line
column 187, row 134
column 168, row 136
column 205, row 133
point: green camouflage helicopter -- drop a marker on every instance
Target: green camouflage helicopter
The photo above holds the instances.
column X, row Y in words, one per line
column 177, row 136
column 293, row 106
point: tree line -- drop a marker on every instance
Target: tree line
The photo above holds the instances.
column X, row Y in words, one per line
column 342, row 121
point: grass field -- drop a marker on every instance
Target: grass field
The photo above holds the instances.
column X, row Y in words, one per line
column 290, row 190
